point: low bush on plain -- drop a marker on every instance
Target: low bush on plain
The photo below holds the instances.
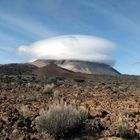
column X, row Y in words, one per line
column 61, row 118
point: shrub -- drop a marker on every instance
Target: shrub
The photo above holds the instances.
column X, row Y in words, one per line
column 48, row 89
column 27, row 99
column 122, row 125
column 122, row 130
column 61, row 118
column 24, row 111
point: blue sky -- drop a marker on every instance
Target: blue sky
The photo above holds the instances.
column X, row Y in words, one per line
column 23, row 22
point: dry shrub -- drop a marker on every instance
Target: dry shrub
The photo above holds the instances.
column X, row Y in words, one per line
column 61, row 118
column 24, row 110
column 122, row 125
column 48, row 89
column 122, row 129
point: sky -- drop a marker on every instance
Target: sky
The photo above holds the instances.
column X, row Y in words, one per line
column 27, row 26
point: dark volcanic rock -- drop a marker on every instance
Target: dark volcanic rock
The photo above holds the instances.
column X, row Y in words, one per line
column 17, row 69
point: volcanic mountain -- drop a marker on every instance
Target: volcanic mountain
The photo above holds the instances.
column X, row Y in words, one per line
column 77, row 66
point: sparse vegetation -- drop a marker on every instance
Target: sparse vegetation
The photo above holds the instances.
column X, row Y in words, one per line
column 114, row 110
column 27, row 99
column 122, row 125
column 24, row 111
column 48, row 89
column 122, row 130
column 60, row 118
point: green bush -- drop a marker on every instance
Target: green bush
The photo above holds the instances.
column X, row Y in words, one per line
column 61, row 118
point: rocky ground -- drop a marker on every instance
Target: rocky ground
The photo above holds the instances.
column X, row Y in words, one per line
column 113, row 104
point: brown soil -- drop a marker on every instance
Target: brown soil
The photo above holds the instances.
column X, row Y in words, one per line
column 112, row 102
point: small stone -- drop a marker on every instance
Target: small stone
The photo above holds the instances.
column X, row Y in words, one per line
column 1, row 124
column 21, row 123
column 9, row 112
column 7, row 138
column 15, row 132
column 138, row 125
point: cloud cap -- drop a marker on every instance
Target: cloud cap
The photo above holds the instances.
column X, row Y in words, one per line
column 75, row 47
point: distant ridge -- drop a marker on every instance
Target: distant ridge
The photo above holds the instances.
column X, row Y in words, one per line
column 17, row 69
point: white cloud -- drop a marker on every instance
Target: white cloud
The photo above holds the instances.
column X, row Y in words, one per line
column 79, row 47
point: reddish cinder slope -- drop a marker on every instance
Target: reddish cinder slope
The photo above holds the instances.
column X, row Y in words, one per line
column 56, row 71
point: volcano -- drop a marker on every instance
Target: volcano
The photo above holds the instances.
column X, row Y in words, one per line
column 78, row 66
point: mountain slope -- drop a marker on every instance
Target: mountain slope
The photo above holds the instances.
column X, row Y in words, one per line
column 54, row 70
column 17, row 69
column 79, row 66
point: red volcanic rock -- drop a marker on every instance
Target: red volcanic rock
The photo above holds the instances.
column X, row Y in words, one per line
column 54, row 70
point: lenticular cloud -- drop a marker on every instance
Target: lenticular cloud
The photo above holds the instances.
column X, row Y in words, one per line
column 75, row 47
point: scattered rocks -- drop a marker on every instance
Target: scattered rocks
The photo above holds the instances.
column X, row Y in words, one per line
column 21, row 98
